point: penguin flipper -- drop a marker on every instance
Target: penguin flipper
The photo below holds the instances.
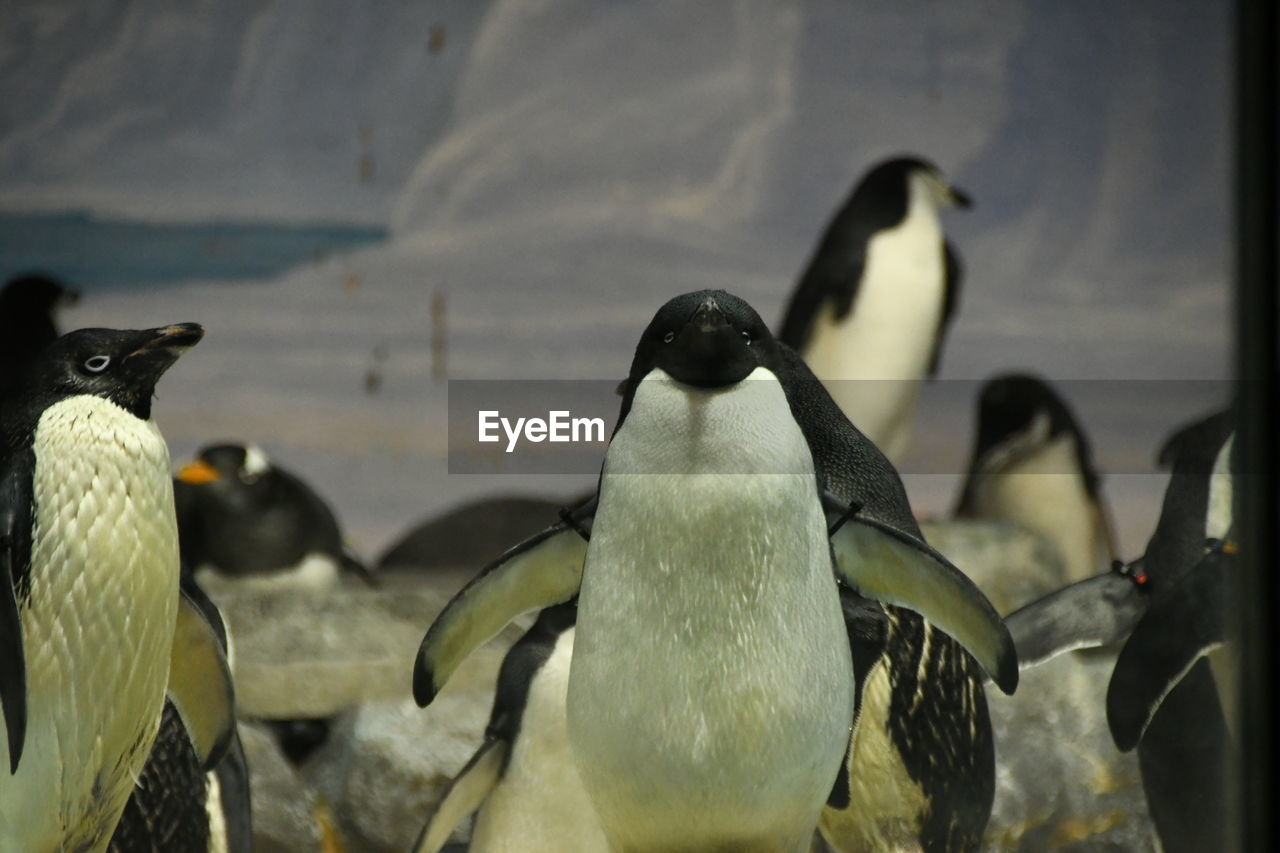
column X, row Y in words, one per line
column 15, row 549
column 1182, row 626
column 894, row 567
column 1093, row 612
column 468, row 791
column 543, row 570
column 200, row 684
column 950, row 302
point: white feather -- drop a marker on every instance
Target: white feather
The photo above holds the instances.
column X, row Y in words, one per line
column 873, row 360
column 98, row 626
column 711, row 689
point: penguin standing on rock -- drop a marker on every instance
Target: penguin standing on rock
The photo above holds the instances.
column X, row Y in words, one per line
column 871, row 310
column 247, row 521
column 88, row 583
column 717, row 663
column 1032, row 466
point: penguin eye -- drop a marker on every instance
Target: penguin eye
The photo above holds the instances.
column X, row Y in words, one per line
column 668, row 337
column 97, row 363
column 746, row 336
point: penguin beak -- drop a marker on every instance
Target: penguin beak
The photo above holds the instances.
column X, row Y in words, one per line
column 198, row 472
column 709, row 352
column 176, row 339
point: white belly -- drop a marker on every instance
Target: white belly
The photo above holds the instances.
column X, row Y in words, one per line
column 98, row 628
column 873, row 360
column 540, row 804
column 1044, row 491
column 711, row 689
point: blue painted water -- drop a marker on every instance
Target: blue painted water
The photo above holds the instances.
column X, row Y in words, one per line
column 92, row 252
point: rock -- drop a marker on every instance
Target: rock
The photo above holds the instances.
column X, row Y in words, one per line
column 1012, row 565
column 301, row 655
column 1061, row 784
column 387, row 764
column 283, row 806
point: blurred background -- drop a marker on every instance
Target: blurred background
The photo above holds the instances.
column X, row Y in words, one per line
column 308, row 178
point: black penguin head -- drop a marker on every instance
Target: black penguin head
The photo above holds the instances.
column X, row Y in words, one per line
column 122, row 366
column 1021, row 406
column 707, row 339
column 892, row 178
column 226, row 465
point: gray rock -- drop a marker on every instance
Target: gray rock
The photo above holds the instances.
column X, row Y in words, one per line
column 388, row 763
column 306, row 655
column 283, row 806
column 1061, row 784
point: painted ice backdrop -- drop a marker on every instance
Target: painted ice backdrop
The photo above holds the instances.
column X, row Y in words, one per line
column 561, row 167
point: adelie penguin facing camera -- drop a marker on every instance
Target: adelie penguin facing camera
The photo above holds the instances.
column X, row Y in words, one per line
column 88, row 583
column 712, row 685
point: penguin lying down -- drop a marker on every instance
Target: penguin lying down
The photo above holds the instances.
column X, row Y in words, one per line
column 763, row 639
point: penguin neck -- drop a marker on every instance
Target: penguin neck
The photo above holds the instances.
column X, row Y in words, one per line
column 712, row 470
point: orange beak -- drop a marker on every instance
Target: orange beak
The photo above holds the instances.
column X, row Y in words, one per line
column 198, row 472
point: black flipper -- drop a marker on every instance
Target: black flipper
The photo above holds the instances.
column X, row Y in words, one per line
column 1183, row 625
column 543, row 570
column 1094, row 612
column 15, row 568
column 954, row 271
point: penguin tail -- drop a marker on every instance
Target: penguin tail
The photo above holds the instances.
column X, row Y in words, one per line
column 468, row 791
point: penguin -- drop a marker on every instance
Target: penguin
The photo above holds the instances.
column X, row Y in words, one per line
column 89, row 599
column 1172, row 692
column 522, row 783
column 696, row 356
column 870, row 312
column 28, row 304
column 1032, row 465
column 1102, row 610
column 1165, row 612
column 193, row 794
column 247, row 521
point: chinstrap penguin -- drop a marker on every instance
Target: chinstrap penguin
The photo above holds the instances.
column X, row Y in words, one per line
column 871, row 310
column 696, row 357
column 89, row 558
column 1032, row 466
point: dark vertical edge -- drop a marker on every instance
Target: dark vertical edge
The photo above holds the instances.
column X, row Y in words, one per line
column 1256, row 370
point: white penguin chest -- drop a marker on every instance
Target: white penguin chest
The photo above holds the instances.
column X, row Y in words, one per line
column 1043, row 490
column 98, row 626
column 890, row 331
column 710, row 644
column 540, row 805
